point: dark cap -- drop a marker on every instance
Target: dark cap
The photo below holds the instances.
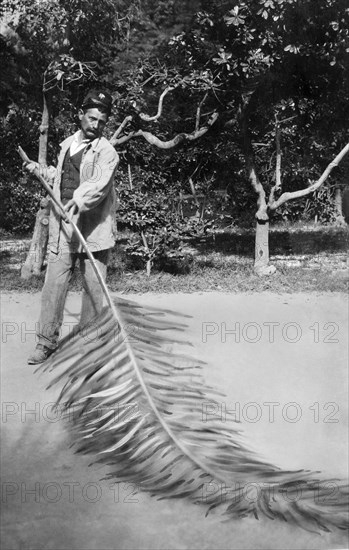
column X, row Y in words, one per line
column 100, row 99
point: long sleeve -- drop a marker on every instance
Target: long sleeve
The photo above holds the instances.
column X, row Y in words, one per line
column 96, row 178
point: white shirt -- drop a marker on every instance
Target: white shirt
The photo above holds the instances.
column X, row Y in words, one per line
column 78, row 143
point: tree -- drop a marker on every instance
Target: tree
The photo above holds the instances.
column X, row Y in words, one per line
column 51, row 39
column 57, row 34
column 157, row 221
column 274, row 66
column 267, row 72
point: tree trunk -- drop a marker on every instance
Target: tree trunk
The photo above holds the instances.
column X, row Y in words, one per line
column 345, row 204
column 262, row 229
column 38, row 246
column 261, row 263
column 338, row 204
column 148, row 262
column 44, row 126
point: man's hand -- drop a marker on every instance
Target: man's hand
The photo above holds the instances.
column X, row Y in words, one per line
column 71, row 208
column 30, row 166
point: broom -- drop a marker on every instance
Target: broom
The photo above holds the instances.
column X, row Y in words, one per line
column 138, row 407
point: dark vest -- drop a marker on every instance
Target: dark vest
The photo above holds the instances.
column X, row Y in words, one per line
column 70, row 175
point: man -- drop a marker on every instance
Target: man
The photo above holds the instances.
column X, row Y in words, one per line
column 83, row 182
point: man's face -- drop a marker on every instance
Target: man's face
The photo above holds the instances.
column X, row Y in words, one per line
column 92, row 122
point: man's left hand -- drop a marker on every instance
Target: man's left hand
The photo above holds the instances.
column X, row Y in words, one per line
column 71, row 208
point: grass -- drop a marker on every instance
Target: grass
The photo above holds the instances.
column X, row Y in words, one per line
column 212, row 269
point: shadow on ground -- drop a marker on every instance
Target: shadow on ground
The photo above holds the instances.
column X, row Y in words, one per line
column 281, row 242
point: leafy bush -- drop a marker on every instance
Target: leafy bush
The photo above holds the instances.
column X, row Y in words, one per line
column 319, row 206
column 20, row 199
column 20, row 193
column 161, row 232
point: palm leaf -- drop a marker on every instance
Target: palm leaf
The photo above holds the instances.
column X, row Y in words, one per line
column 137, row 403
column 164, row 447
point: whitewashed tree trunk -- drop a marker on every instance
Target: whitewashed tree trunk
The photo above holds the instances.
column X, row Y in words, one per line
column 338, row 204
column 38, row 246
column 261, row 262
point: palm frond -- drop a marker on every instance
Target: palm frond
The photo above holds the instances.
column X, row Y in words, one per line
column 137, row 404
column 164, row 447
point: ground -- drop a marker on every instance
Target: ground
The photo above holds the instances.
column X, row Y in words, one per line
column 309, row 258
column 286, row 349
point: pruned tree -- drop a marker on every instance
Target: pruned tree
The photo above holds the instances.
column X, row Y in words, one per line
column 159, row 225
column 54, row 39
column 121, row 135
column 284, row 58
column 277, row 197
column 234, row 70
column 58, row 34
column 127, row 130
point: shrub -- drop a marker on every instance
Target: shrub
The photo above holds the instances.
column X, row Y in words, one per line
column 161, row 232
column 20, row 199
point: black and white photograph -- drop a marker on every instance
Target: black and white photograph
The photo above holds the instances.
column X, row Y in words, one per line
column 174, row 235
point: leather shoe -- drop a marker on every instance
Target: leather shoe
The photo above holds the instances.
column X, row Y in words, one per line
column 41, row 353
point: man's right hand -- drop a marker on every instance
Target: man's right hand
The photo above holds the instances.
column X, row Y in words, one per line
column 30, row 166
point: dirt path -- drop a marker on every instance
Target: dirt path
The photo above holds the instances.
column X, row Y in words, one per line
column 282, row 363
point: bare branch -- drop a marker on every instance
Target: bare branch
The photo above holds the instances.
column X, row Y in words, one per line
column 56, row 73
column 129, row 176
column 304, row 192
column 114, row 139
column 261, row 213
column 148, row 118
column 287, row 119
column 154, row 140
column 259, row 189
column 196, row 169
column 278, row 183
column 198, row 112
column 278, row 157
column 193, row 190
column 148, row 80
column 44, row 127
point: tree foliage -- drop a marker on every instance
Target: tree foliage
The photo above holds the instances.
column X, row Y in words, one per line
column 251, row 62
column 285, row 57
